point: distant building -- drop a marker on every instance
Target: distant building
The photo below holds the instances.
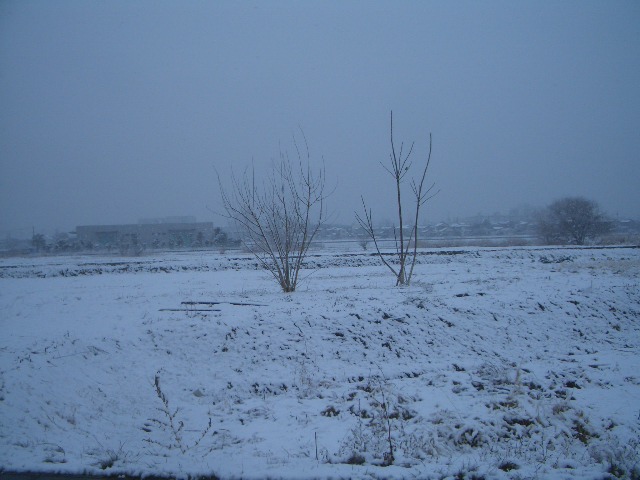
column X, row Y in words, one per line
column 176, row 219
column 154, row 233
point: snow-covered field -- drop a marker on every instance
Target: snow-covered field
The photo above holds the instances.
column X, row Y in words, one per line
column 495, row 363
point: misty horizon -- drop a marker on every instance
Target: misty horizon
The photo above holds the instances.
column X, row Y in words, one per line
column 117, row 111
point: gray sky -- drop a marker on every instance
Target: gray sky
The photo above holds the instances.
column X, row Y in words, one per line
column 113, row 111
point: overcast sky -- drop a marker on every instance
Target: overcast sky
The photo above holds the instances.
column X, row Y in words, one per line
column 112, row 111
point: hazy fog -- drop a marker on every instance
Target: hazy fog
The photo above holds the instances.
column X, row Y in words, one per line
column 111, row 111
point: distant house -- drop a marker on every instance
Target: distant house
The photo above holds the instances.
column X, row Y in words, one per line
column 155, row 234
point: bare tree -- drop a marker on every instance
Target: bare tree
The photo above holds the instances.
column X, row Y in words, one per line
column 398, row 169
column 38, row 241
column 572, row 220
column 279, row 217
column 547, row 228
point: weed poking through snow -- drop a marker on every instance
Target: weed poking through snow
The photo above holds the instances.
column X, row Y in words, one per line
column 170, row 424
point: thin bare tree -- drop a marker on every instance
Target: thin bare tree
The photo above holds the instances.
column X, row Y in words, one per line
column 405, row 255
column 280, row 216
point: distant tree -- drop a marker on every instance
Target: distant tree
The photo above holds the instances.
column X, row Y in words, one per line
column 199, row 239
column 279, row 217
column 61, row 242
column 398, row 169
column 220, row 237
column 572, row 220
column 38, row 241
column 547, row 228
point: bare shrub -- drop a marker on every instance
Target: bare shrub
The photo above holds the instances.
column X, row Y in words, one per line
column 279, row 218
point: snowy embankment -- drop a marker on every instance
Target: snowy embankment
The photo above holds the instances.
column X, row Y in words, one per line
column 503, row 363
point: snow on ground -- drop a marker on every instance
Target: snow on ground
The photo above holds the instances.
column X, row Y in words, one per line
column 495, row 363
